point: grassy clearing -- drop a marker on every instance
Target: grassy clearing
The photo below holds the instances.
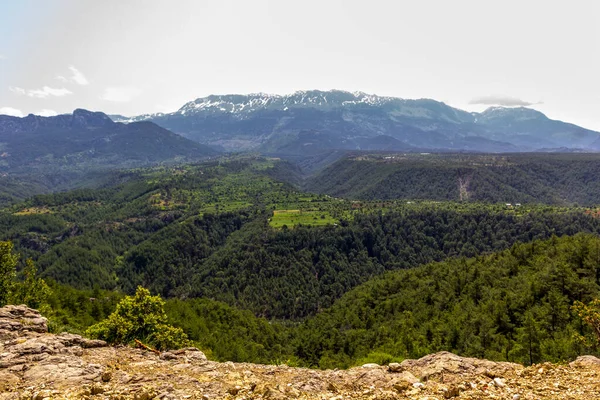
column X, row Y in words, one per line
column 291, row 218
column 34, row 210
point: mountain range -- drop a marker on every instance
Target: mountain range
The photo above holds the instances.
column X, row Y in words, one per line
column 310, row 122
column 88, row 139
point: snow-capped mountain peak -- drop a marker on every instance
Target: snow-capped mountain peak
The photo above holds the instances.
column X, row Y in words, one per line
column 236, row 103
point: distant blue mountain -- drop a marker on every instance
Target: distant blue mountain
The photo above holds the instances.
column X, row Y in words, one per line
column 310, row 121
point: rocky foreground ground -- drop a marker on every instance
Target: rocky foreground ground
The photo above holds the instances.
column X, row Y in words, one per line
column 37, row 365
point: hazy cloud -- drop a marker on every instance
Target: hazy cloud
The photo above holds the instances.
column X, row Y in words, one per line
column 2, row 57
column 500, row 100
column 42, row 93
column 11, row 111
column 17, row 90
column 78, row 76
column 46, row 113
column 120, row 94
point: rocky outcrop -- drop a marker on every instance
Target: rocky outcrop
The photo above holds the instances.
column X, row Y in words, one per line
column 29, row 354
column 444, row 365
column 35, row 364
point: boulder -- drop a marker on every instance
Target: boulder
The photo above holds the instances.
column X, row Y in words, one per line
column 445, row 365
column 584, row 361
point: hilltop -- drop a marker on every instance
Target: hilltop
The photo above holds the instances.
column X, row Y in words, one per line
column 37, row 364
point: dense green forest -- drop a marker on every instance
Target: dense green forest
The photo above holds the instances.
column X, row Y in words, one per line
column 513, row 305
column 206, row 231
column 254, row 269
column 562, row 179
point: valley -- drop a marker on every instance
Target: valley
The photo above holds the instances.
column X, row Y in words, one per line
column 256, row 269
column 299, row 200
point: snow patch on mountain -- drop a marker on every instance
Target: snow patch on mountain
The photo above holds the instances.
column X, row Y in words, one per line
column 240, row 104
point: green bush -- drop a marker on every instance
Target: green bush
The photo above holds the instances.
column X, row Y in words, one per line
column 140, row 317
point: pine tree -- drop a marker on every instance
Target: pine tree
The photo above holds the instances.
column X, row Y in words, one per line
column 8, row 264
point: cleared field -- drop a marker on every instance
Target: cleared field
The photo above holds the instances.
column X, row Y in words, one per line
column 291, row 218
column 33, row 210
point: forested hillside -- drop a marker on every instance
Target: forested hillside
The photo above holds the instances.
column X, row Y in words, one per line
column 563, row 179
column 230, row 232
column 513, row 305
column 233, row 250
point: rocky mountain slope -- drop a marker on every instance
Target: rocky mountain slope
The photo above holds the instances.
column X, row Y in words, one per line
column 309, row 122
column 35, row 364
column 88, row 139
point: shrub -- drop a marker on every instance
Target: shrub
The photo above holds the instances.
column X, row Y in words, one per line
column 8, row 263
column 140, row 317
column 590, row 314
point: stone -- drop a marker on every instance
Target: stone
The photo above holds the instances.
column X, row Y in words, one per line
column 96, row 389
column 583, row 361
column 401, row 386
column 445, row 363
column 234, row 390
column 408, row 377
column 144, row 394
column 451, row 392
column 395, row 367
column 42, row 395
column 499, row 382
column 167, row 355
column 370, row 365
column 106, row 376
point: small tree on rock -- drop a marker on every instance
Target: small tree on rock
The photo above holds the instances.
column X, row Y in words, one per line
column 8, row 264
column 140, row 317
column 32, row 291
column 590, row 314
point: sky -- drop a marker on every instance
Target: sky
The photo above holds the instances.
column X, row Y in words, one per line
column 145, row 56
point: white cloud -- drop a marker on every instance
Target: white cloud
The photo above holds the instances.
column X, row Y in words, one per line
column 17, row 90
column 42, row 93
column 3, row 57
column 501, row 100
column 46, row 113
column 120, row 94
column 78, row 76
column 11, row 111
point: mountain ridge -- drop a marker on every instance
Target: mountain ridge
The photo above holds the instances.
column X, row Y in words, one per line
column 88, row 139
column 272, row 123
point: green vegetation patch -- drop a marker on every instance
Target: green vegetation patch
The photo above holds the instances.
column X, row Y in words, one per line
column 291, row 218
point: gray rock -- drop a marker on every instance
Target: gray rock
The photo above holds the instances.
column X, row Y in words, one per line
column 395, row 367
column 167, row 355
column 585, row 361
column 22, row 318
column 371, row 365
